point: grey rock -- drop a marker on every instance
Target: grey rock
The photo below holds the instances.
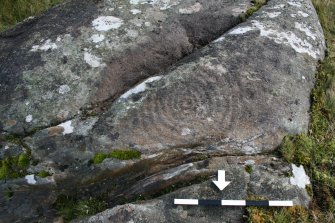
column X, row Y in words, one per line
column 84, row 52
column 242, row 186
column 238, row 96
column 241, row 94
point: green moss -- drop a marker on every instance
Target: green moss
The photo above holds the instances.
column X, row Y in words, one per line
column 71, row 209
column 248, row 169
column 125, row 154
column 43, row 174
column 296, row 214
column 316, row 149
column 99, row 157
column 14, row 166
column 256, row 5
column 23, row 160
column 13, row 139
column 9, row 194
column 5, row 170
column 297, row 149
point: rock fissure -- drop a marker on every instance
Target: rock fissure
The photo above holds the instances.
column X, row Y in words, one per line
column 222, row 104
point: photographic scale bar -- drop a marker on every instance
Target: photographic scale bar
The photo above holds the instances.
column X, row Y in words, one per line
column 233, row 203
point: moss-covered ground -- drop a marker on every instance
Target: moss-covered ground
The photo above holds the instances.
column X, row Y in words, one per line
column 315, row 149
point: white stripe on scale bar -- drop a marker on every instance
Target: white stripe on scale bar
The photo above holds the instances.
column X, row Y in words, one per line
column 281, row 203
column 186, row 201
column 233, row 202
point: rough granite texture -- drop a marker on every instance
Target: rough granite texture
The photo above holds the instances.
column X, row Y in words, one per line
column 84, row 52
column 242, row 186
column 179, row 81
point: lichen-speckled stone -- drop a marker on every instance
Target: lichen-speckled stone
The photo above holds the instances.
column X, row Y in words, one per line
column 189, row 110
column 84, row 52
column 242, row 93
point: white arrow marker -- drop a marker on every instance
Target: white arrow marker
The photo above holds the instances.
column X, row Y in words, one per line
column 221, row 183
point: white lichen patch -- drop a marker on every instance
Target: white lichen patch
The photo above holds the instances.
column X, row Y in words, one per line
column 136, row 2
column 132, row 33
column 272, row 14
column 249, row 162
column 67, row 126
column 83, row 127
column 303, row 14
column 240, row 30
column 135, row 11
column 305, row 29
column 294, row 3
column 47, row 45
column 209, row 120
column 248, row 149
column 280, row 37
column 93, row 60
column 216, row 67
column 97, row 38
column 167, row 5
column 141, row 87
column 30, row 179
column 6, row 147
column 299, row 177
column 63, row 89
column 29, row 118
column 280, row 6
column 105, row 23
column 186, row 131
column 220, row 39
column 192, row 9
column 162, row 4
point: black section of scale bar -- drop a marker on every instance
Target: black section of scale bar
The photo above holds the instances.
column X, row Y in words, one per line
column 258, row 203
column 210, row 202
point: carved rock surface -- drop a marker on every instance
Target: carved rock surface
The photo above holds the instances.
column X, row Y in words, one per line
column 84, row 52
column 178, row 81
column 242, row 93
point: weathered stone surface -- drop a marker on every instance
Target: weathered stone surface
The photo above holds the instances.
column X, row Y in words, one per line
column 273, row 185
column 210, row 110
column 84, row 52
column 242, row 93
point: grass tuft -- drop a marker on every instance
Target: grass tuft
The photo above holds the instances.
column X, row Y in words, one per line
column 71, row 209
column 125, row 154
column 316, row 149
column 14, row 11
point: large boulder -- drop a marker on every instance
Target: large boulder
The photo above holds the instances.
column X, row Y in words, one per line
column 91, row 77
column 84, row 52
column 242, row 93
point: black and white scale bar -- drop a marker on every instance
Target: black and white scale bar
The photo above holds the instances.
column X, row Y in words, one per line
column 233, row 203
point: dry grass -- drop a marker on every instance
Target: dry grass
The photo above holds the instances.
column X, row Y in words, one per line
column 315, row 150
column 14, row 11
